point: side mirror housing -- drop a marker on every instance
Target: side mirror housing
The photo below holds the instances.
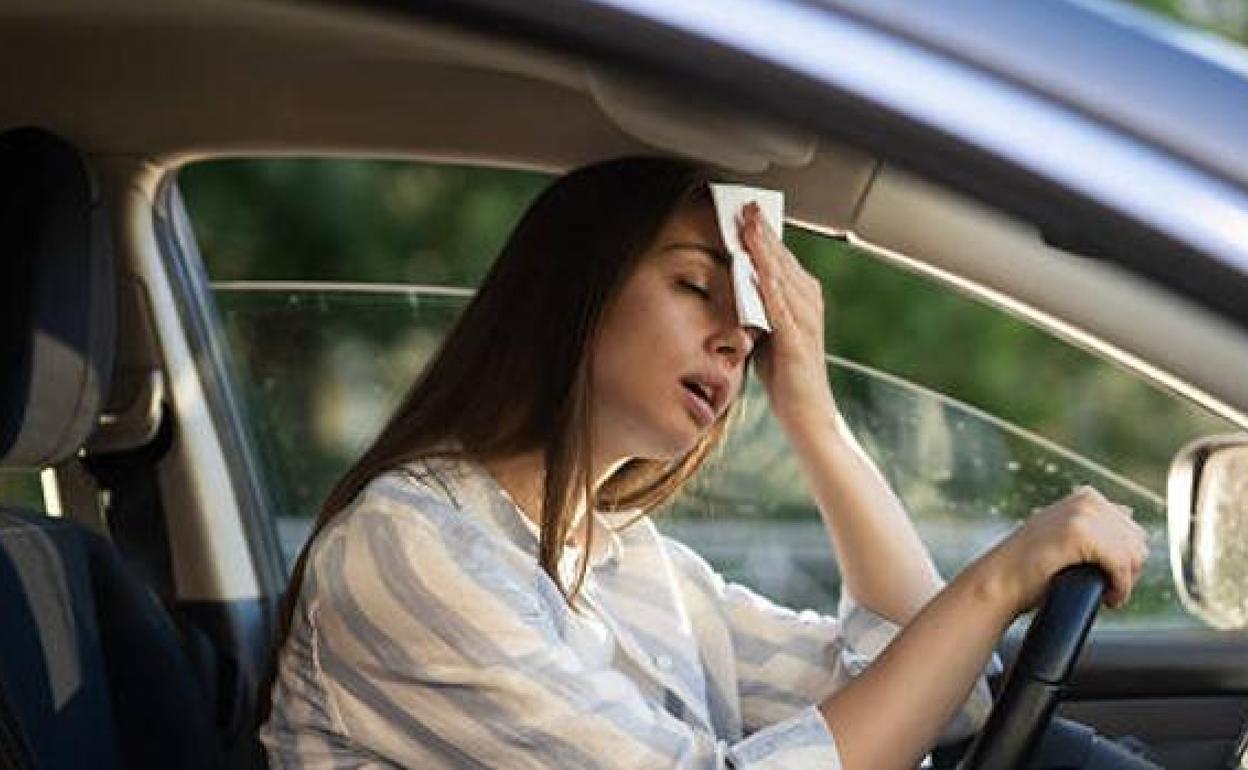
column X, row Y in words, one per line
column 1207, row 514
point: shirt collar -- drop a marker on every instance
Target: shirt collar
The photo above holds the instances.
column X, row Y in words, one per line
column 605, row 545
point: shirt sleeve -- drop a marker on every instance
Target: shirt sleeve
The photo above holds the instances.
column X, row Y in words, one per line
column 788, row 660
column 435, row 648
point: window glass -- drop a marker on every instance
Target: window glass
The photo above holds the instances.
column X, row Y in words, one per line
column 322, row 366
column 335, row 280
column 21, row 489
column 348, row 220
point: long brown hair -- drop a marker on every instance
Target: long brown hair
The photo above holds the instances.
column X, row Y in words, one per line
column 514, row 373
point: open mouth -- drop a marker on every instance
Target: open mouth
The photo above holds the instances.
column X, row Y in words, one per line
column 702, row 396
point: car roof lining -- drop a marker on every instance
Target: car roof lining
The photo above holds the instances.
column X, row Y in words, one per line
column 313, row 82
column 310, row 80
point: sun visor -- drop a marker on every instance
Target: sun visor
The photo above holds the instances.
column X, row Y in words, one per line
column 677, row 124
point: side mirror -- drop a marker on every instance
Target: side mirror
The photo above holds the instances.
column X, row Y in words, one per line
column 1207, row 513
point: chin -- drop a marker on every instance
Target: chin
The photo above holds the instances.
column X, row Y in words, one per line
column 659, row 437
column 672, row 445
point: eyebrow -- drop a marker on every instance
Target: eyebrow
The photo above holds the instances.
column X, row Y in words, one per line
column 720, row 256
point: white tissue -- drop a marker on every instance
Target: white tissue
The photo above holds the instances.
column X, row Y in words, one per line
column 729, row 201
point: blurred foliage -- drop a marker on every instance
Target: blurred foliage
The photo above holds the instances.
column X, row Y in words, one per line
column 931, row 335
column 349, row 220
column 1227, row 18
column 321, row 372
column 21, row 489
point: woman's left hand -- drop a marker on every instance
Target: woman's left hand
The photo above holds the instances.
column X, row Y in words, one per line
column 791, row 360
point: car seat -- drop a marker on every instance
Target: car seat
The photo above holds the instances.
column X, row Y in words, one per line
column 92, row 671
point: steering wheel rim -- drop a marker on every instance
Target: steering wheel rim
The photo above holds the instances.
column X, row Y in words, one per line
column 1035, row 682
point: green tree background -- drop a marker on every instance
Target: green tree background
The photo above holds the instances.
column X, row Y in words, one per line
column 1225, row 18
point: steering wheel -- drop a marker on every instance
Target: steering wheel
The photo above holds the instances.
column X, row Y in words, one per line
column 1035, row 683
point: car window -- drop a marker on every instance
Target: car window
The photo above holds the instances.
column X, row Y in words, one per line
column 334, row 281
column 21, row 489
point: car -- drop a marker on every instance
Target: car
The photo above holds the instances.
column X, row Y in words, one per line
column 233, row 231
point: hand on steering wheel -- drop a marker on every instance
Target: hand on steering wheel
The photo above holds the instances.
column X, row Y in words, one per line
column 1034, row 684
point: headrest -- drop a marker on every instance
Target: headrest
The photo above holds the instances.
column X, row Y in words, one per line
column 57, row 300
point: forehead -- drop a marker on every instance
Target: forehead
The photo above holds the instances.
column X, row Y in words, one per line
column 695, row 225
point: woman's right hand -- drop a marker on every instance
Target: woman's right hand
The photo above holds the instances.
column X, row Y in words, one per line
column 895, row 710
column 1083, row 527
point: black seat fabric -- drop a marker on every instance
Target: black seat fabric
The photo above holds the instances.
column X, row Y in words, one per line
column 92, row 673
column 57, row 299
column 89, row 660
column 50, row 661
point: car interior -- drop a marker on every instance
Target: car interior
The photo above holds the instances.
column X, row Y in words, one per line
column 139, row 602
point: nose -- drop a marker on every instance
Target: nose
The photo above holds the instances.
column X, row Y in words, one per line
column 734, row 342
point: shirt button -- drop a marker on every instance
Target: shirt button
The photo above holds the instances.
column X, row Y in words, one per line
column 663, row 661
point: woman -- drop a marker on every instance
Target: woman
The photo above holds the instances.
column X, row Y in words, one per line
column 484, row 589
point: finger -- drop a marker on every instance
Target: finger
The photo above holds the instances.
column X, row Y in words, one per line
column 795, row 274
column 1077, row 492
column 1142, row 554
column 801, row 293
column 771, row 280
column 763, row 252
column 1096, row 495
column 1136, row 559
column 774, row 242
column 760, row 254
column 1084, row 490
column 764, row 242
column 776, row 302
column 1122, row 579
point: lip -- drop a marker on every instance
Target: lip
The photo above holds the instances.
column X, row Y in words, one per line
column 701, row 410
column 714, row 387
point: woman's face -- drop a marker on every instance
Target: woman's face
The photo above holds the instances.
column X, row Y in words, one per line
column 670, row 356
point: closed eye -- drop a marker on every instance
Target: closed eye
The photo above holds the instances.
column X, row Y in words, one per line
column 696, row 288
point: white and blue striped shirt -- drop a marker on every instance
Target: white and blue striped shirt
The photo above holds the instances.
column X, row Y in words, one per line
column 426, row 635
